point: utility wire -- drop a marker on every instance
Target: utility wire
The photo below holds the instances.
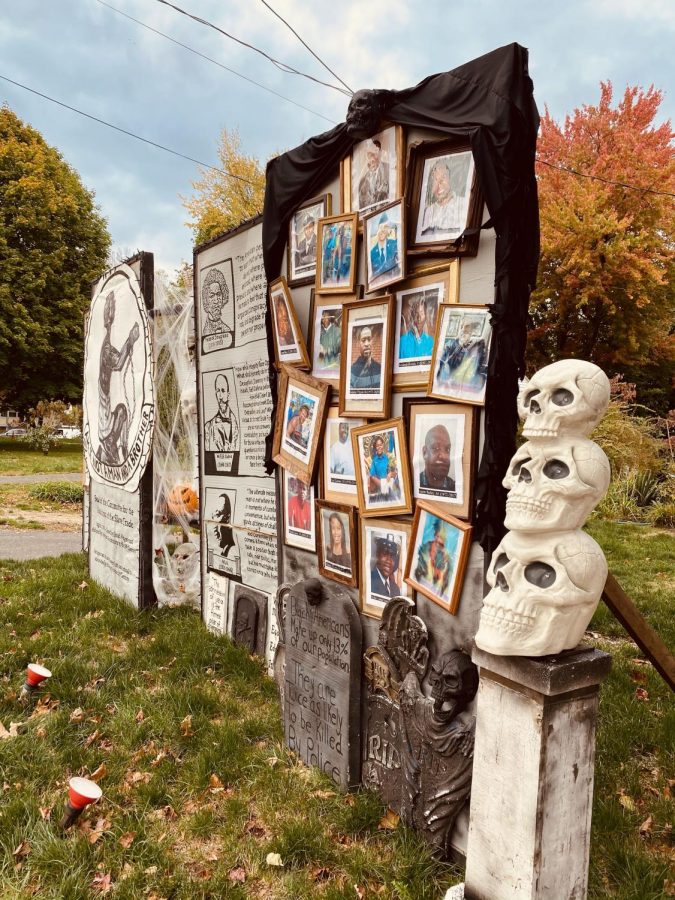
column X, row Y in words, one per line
column 630, row 187
column 284, row 67
column 304, row 44
column 216, row 63
column 129, row 133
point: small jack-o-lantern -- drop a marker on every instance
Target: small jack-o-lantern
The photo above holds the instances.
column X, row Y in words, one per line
column 182, row 500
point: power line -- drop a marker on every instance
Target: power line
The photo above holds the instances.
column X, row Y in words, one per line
column 284, row 67
column 128, row 133
column 630, row 187
column 304, row 44
column 215, row 62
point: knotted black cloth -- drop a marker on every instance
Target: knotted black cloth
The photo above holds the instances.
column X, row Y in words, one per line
column 489, row 101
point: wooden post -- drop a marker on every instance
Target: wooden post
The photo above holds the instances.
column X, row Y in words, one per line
column 532, row 789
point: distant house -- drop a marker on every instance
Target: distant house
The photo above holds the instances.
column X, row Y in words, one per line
column 9, row 418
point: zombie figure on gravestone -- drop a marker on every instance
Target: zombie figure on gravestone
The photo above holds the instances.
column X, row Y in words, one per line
column 113, row 424
column 437, row 749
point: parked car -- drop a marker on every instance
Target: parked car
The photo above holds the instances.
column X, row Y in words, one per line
column 15, row 432
column 67, row 431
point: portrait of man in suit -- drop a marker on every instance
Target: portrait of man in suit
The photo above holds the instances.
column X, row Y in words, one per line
column 384, row 255
column 222, row 431
column 305, row 253
column 374, row 178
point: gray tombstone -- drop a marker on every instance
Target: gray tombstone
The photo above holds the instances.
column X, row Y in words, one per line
column 249, row 618
column 322, row 679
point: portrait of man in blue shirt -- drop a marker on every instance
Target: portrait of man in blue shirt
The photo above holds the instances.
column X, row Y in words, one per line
column 416, row 343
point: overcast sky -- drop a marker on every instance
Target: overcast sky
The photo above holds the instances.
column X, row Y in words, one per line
column 88, row 56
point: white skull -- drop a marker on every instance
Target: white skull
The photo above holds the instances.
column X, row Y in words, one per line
column 545, row 589
column 188, row 402
column 185, row 560
column 554, row 485
column 567, row 397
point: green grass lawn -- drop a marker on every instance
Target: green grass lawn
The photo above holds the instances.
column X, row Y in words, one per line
column 199, row 789
column 17, row 458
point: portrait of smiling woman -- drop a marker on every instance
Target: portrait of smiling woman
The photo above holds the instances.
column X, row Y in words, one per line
column 337, row 537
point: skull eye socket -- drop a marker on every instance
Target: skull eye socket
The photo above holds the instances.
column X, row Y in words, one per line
column 540, row 574
column 556, row 468
column 529, row 397
column 519, row 464
column 562, row 397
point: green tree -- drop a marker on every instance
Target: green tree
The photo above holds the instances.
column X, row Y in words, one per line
column 221, row 202
column 606, row 290
column 53, row 244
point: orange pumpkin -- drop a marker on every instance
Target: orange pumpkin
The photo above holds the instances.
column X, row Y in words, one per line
column 182, row 500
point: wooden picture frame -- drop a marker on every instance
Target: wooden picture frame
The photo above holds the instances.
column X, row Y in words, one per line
column 459, row 365
column 338, row 469
column 322, row 343
column 443, row 442
column 437, row 534
column 384, row 255
column 382, row 473
column 300, row 269
column 443, row 199
column 343, row 566
column 298, row 513
column 289, row 347
column 337, row 262
column 353, row 170
column 377, row 585
column 301, row 411
column 413, row 350
column 365, row 387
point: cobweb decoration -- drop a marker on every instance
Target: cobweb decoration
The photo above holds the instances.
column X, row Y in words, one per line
column 175, row 567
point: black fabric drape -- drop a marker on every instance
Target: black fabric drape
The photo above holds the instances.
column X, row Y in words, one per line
column 489, row 101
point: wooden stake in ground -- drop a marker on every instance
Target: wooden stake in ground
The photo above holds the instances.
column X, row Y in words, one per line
column 637, row 627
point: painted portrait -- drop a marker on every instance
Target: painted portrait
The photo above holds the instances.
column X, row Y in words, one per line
column 339, row 470
column 417, row 311
column 383, row 476
column 364, row 355
column 461, row 352
column 326, row 341
column 444, row 197
column 299, row 423
column 374, row 171
column 337, row 244
column 298, row 510
column 302, row 240
column 385, row 247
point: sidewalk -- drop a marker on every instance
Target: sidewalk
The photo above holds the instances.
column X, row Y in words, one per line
column 26, row 544
column 40, row 479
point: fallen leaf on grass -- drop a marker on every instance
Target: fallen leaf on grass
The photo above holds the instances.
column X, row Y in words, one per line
column 138, row 777
column 350, row 799
column 4, row 734
column 102, row 883
column 638, row 677
column 273, row 859
column 669, row 888
column 215, row 784
column 94, row 736
column 186, row 727
column 102, row 825
column 646, row 827
column 40, row 732
column 22, row 850
column 83, row 585
column 237, row 875
column 46, row 813
column 319, row 873
column 255, row 828
column 127, row 839
column 99, row 773
column 44, row 706
column 151, row 870
column 626, row 801
column 360, row 892
column 140, row 715
column 35, row 635
column 389, row 821
column 323, row 795
column 641, row 694
column 14, row 728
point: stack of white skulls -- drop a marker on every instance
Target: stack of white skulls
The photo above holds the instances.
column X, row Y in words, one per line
column 547, row 575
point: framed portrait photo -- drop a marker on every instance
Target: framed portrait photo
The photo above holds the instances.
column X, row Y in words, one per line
column 302, row 240
column 438, row 554
column 365, row 370
column 384, row 549
column 289, row 344
column 325, row 337
column 385, row 246
column 301, row 410
column 459, row 364
column 297, row 500
column 444, row 199
column 337, row 542
column 418, row 303
column 337, row 238
column 338, row 470
column 442, row 440
column 372, row 175
column 382, row 473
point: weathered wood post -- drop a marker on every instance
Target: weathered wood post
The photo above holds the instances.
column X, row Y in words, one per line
column 532, row 793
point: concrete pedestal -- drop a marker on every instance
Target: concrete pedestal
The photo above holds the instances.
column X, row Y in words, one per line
column 532, row 789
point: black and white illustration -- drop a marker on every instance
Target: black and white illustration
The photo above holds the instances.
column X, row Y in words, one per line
column 118, row 383
column 217, row 306
column 222, row 423
column 222, row 542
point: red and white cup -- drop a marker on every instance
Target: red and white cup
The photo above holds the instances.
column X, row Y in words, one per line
column 35, row 675
column 81, row 792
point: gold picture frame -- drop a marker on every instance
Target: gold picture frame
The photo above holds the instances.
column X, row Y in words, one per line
column 353, row 169
column 379, row 583
column 289, row 346
column 301, row 412
column 365, row 372
column 337, row 260
column 337, row 547
column 382, row 470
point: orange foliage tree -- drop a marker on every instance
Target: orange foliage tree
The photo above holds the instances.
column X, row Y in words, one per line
column 606, row 290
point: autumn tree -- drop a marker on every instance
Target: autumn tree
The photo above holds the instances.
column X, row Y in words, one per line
column 606, row 291
column 53, row 243
column 223, row 201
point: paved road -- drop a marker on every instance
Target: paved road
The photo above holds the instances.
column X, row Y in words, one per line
column 28, row 544
column 40, row 479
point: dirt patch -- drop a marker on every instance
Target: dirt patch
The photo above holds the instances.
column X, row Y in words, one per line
column 54, row 520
